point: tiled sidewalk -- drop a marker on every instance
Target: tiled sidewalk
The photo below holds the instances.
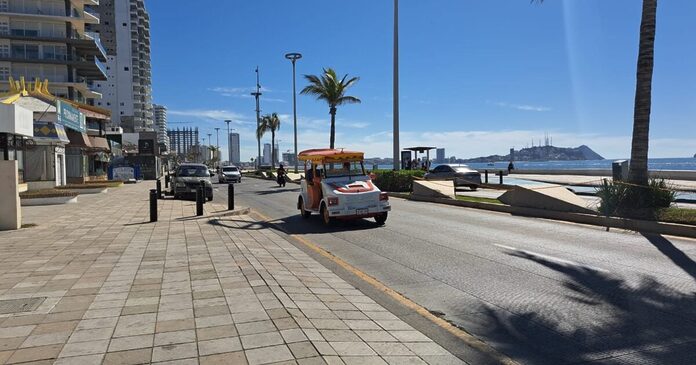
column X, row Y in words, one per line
column 183, row 291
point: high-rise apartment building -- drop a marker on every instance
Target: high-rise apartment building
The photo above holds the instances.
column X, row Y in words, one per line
column 47, row 40
column 127, row 92
column 266, row 154
column 440, row 155
column 161, row 126
column 233, row 153
column 182, row 141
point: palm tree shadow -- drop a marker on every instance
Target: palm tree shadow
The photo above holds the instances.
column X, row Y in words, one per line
column 607, row 320
column 668, row 249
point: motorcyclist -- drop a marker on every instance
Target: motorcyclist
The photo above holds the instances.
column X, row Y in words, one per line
column 280, row 173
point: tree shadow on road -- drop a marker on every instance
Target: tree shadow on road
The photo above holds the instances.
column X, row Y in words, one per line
column 277, row 190
column 295, row 224
column 606, row 317
column 678, row 257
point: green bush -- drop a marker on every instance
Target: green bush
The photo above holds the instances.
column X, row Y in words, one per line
column 626, row 200
column 396, row 181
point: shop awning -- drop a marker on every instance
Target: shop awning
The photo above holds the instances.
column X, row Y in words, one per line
column 99, row 143
column 50, row 132
column 78, row 139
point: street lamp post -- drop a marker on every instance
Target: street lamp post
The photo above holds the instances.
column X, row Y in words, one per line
column 396, row 86
column 294, row 57
column 257, row 95
column 229, row 146
column 217, row 140
column 207, row 149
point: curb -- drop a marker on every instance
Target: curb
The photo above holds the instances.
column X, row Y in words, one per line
column 672, row 229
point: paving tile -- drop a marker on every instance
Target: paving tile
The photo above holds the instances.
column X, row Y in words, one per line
column 218, row 346
column 255, row 327
column 35, row 354
column 16, row 331
column 303, row 349
column 363, row 360
column 261, row 340
column 227, row 358
column 95, row 359
column 352, row 348
column 84, row 348
column 130, row 343
column 211, row 333
column 404, row 360
column 174, row 352
column 267, row 355
column 390, row 349
column 426, row 348
column 169, row 338
column 46, row 339
column 175, row 325
column 130, row 357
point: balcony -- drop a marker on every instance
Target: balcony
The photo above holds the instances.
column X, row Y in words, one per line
column 53, row 14
column 90, row 69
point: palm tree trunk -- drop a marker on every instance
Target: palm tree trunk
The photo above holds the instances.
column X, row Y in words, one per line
column 638, row 172
column 332, row 111
column 273, row 151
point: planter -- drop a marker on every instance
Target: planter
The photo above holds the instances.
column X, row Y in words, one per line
column 48, row 201
column 90, row 190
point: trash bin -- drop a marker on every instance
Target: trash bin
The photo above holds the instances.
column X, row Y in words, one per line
column 619, row 170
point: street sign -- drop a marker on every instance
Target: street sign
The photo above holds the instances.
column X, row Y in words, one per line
column 70, row 117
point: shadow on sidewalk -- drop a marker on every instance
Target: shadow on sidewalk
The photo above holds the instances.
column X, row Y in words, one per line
column 295, row 224
column 647, row 321
column 668, row 249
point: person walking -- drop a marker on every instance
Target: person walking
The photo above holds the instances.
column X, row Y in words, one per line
column 280, row 173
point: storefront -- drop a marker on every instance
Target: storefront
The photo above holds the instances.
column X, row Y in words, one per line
column 44, row 161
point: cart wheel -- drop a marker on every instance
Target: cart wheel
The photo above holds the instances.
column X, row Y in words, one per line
column 381, row 219
column 304, row 213
column 325, row 217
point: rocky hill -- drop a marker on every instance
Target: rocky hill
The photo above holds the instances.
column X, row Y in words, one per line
column 544, row 153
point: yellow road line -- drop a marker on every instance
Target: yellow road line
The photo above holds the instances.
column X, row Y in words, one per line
column 459, row 333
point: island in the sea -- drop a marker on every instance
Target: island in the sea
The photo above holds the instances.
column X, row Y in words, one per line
column 543, row 153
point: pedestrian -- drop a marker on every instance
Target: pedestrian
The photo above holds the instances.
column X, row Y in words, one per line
column 511, row 167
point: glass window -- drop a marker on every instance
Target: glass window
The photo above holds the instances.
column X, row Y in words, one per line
column 339, row 169
column 4, row 50
column 18, row 51
column 4, row 73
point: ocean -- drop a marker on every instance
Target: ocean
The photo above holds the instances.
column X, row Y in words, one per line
column 654, row 164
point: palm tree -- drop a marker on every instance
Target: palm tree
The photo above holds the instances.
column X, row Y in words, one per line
column 330, row 88
column 638, row 168
column 269, row 122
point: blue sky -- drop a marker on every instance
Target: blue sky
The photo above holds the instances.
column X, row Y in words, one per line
column 477, row 77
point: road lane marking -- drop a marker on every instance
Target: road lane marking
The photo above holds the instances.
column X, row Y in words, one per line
column 552, row 258
column 464, row 336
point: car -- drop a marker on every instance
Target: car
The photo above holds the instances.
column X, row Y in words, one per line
column 462, row 175
column 337, row 187
column 230, row 174
column 187, row 177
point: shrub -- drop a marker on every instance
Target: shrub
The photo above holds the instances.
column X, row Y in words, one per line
column 396, row 181
column 46, row 193
column 627, row 200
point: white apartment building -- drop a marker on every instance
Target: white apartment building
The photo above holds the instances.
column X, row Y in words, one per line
column 234, row 156
column 161, row 126
column 47, row 40
column 266, row 159
column 127, row 92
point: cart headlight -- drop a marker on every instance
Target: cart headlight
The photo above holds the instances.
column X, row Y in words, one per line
column 332, row 201
column 383, row 196
column 180, row 184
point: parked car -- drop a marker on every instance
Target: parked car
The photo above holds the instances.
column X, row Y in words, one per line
column 230, row 174
column 187, row 178
column 462, row 175
column 337, row 187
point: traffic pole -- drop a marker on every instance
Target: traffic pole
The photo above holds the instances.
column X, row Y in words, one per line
column 153, row 205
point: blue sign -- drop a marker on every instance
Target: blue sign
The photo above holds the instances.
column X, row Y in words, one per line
column 70, row 117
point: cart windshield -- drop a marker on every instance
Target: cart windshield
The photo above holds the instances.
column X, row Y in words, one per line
column 342, row 169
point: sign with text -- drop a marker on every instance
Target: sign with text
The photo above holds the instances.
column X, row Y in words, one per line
column 70, row 117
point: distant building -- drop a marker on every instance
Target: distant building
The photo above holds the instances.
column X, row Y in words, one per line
column 161, row 126
column 233, row 153
column 181, row 141
column 440, row 155
column 266, row 160
column 289, row 158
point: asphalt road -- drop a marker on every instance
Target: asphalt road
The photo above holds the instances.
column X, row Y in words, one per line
column 539, row 291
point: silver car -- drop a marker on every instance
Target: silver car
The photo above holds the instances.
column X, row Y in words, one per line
column 188, row 177
column 230, row 174
column 462, row 175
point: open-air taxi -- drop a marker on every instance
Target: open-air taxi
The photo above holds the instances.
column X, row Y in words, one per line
column 337, row 187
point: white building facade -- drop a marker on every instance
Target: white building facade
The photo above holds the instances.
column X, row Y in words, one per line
column 161, row 126
column 234, row 156
column 127, row 92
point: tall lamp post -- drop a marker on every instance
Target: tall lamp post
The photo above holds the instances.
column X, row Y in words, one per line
column 207, row 149
column 396, row 86
column 217, row 140
column 229, row 146
column 257, row 95
column 294, row 56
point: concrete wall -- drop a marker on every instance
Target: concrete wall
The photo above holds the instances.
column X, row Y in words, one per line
column 666, row 174
column 10, row 209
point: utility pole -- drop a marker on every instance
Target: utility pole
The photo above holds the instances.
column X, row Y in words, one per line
column 229, row 146
column 217, row 139
column 396, row 86
column 257, row 95
column 207, row 148
column 294, row 57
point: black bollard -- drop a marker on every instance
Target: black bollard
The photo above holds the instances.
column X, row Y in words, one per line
column 199, row 201
column 230, row 197
column 486, row 175
column 501, row 177
column 166, row 181
column 159, row 189
column 204, row 194
column 153, row 205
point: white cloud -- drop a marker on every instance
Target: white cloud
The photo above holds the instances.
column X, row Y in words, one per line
column 214, row 114
column 524, row 107
column 244, row 92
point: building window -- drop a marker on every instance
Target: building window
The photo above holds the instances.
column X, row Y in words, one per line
column 4, row 73
column 125, row 68
column 4, row 50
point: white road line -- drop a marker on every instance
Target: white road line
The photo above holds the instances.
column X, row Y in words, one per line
column 552, row 258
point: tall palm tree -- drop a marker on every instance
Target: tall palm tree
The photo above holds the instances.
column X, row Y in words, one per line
column 638, row 168
column 269, row 122
column 330, row 88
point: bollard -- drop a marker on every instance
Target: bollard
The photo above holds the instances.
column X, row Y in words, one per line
column 153, row 205
column 486, row 175
column 501, row 177
column 204, row 195
column 166, row 181
column 230, row 197
column 199, row 201
column 159, row 189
